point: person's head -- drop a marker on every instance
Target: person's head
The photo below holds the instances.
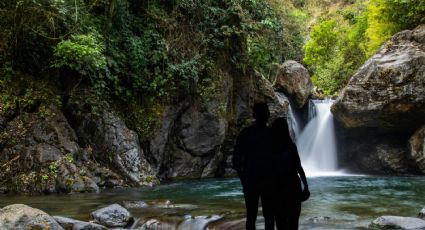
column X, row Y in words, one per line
column 261, row 112
column 280, row 129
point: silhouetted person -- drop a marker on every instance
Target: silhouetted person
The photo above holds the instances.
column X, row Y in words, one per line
column 251, row 161
column 287, row 193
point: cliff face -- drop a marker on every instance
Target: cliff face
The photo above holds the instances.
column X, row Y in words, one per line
column 67, row 146
column 384, row 104
column 197, row 141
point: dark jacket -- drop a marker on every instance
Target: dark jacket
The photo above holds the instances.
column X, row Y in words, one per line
column 253, row 153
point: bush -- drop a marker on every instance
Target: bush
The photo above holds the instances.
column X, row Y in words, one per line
column 82, row 53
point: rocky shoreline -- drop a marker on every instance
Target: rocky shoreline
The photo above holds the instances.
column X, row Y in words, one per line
column 115, row 216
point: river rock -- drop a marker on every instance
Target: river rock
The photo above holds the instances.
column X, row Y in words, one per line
column 387, row 91
column 422, row 213
column 154, row 224
column 417, row 148
column 112, row 216
column 294, row 80
column 198, row 222
column 71, row 224
column 397, row 222
column 20, row 216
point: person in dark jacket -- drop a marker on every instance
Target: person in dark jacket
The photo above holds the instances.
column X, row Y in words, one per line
column 287, row 171
column 251, row 160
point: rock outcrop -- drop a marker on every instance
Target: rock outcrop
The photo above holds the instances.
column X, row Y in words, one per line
column 20, row 216
column 294, row 80
column 196, row 140
column 111, row 143
column 39, row 152
column 383, row 105
column 387, row 91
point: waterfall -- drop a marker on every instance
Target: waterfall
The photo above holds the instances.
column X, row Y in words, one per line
column 316, row 141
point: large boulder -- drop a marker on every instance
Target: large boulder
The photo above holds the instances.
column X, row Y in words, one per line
column 397, row 222
column 20, row 216
column 387, row 91
column 113, row 215
column 417, row 148
column 294, row 80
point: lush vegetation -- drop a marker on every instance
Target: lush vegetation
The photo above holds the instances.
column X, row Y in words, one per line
column 146, row 53
column 161, row 51
column 346, row 33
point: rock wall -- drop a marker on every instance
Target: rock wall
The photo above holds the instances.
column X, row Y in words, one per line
column 111, row 142
column 196, row 141
column 383, row 105
column 74, row 146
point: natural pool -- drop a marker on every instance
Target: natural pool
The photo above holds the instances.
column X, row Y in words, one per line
column 351, row 201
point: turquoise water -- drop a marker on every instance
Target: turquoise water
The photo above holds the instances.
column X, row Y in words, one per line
column 351, row 201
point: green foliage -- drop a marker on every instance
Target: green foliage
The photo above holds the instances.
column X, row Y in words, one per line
column 83, row 53
column 69, row 157
column 387, row 17
column 323, row 43
column 345, row 35
column 276, row 36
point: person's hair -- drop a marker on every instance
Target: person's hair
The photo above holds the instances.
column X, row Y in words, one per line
column 280, row 130
column 261, row 112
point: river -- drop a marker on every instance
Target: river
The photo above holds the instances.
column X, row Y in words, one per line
column 350, row 201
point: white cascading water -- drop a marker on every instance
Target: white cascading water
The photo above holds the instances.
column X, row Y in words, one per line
column 316, row 142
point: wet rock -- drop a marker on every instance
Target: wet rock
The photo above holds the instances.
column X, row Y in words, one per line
column 112, row 216
column 417, row 148
column 387, row 91
column 71, row 224
column 294, row 80
column 135, row 204
column 198, row 222
column 20, row 216
column 154, row 224
column 397, row 222
column 422, row 214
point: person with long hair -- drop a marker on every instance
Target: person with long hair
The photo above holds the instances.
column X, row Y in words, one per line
column 286, row 164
